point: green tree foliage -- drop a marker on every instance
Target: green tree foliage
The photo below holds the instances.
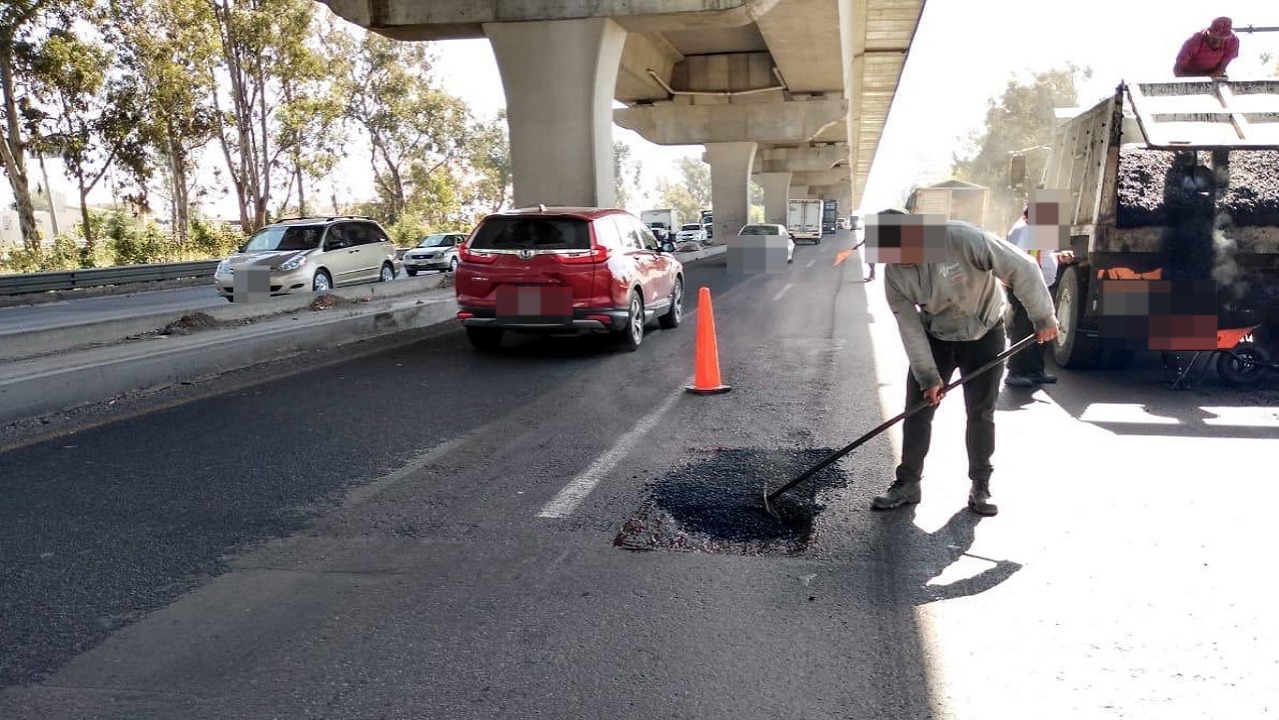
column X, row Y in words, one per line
column 24, row 28
column 692, row 193
column 263, row 55
column 627, row 174
column 168, row 48
column 414, row 129
column 93, row 121
column 490, row 159
column 312, row 124
column 1022, row 117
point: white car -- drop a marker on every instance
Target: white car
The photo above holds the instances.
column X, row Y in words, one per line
column 772, row 231
column 434, row 252
column 692, row 232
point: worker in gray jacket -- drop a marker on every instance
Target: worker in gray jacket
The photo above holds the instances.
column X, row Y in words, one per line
column 949, row 306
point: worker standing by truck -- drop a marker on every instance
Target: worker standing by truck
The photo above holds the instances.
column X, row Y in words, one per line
column 946, row 295
column 1208, row 52
column 1026, row 368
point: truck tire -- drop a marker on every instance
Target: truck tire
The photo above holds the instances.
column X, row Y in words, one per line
column 1071, row 348
column 1234, row 368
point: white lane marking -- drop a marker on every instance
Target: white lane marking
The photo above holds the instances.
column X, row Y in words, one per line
column 781, row 292
column 811, row 262
column 576, row 491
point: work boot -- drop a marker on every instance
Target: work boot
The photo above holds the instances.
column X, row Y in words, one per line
column 899, row 493
column 979, row 499
column 1019, row 381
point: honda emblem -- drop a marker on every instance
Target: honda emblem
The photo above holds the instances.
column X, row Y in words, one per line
column 526, row 254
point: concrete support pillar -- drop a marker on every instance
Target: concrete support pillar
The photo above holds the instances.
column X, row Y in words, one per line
column 798, row 192
column 846, row 201
column 559, row 78
column 776, row 187
column 730, row 186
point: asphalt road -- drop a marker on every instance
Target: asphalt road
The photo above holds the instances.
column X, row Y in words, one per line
column 426, row 532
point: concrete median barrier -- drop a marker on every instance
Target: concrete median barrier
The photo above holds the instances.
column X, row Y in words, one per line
column 18, row 345
column 38, row 386
column 57, row 369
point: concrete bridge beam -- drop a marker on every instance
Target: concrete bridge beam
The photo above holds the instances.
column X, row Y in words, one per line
column 824, row 178
column 559, row 78
column 801, row 159
column 755, row 122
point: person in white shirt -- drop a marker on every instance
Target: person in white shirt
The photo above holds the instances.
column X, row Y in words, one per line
column 1026, row 368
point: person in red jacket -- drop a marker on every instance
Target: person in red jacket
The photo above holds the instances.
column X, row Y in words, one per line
column 1207, row 53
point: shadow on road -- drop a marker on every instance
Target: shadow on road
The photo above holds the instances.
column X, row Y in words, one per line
column 1138, row 400
column 911, row 558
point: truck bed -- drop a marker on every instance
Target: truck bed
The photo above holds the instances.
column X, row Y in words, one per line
column 1144, row 198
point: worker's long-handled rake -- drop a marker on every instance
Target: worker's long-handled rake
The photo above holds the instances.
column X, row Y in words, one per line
column 770, row 498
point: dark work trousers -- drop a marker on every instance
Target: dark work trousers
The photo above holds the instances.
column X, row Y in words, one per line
column 1028, row 362
column 980, row 394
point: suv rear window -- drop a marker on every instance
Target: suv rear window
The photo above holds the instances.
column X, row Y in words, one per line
column 534, row 233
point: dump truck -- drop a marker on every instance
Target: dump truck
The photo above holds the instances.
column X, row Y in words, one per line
column 1175, row 182
column 953, row 199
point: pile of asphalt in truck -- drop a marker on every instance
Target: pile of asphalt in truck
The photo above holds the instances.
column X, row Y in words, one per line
column 1147, row 198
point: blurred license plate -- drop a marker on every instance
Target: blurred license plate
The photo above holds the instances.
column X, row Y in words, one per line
column 543, row 305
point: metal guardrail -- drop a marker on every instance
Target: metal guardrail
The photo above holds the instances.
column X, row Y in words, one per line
column 122, row 275
column 98, row 277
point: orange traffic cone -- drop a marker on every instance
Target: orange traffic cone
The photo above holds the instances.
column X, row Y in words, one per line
column 706, row 379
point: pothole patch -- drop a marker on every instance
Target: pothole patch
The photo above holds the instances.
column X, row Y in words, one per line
column 716, row 505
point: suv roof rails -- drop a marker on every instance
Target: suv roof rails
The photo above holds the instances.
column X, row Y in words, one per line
column 326, row 218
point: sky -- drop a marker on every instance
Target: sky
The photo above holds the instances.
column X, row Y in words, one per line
column 964, row 53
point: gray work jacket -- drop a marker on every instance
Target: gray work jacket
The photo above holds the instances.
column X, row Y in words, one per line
column 961, row 299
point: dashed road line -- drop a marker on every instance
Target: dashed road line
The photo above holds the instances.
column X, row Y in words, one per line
column 563, row 504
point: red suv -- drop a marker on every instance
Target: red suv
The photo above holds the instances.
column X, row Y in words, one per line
column 563, row 270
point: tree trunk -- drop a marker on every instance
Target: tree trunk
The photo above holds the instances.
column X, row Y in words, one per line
column 89, row 241
column 13, row 153
column 264, row 186
column 179, row 190
column 237, row 164
column 297, row 165
column 48, row 189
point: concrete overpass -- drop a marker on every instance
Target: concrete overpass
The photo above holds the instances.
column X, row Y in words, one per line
column 794, row 93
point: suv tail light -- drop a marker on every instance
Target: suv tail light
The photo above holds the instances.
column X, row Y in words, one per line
column 598, row 254
column 467, row 255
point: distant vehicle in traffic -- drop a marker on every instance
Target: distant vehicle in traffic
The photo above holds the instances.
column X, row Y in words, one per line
column 662, row 222
column 434, row 252
column 691, row 232
column 804, row 220
column 841, row 223
column 771, row 231
column 566, row 271
column 312, row 254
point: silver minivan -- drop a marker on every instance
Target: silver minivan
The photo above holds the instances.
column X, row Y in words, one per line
column 312, row 254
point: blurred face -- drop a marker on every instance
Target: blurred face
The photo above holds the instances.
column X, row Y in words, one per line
column 1215, row 42
column 906, row 240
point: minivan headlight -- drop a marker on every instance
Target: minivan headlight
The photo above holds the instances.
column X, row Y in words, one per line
column 223, row 267
column 293, row 264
